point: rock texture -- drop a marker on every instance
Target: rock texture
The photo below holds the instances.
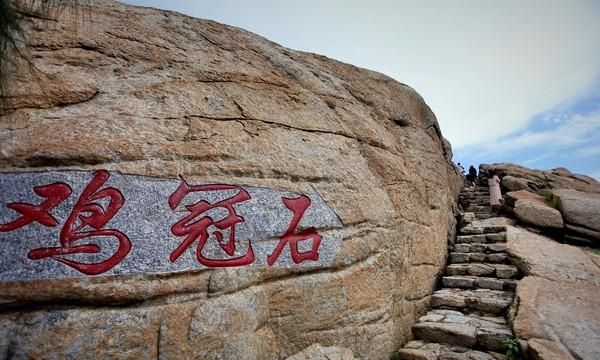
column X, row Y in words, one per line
column 552, row 200
column 318, row 352
column 559, row 178
column 156, row 93
column 512, row 183
column 581, row 211
column 558, row 302
column 539, row 214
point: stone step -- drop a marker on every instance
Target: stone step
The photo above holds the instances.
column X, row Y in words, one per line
column 489, row 248
column 483, row 216
column 479, row 208
column 485, row 301
column 474, row 282
column 471, row 230
column 499, row 237
column 475, row 203
column 421, row 350
column 472, row 196
column 476, row 257
column 456, row 328
column 501, row 271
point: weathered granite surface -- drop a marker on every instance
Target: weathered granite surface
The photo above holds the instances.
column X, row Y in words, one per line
column 558, row 301
column 579, row 209
column 557, row 192
column 559, row 178
column 155, row 93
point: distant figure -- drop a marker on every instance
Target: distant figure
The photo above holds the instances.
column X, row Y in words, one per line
column 462, row 169
column 494, row 184
column 472, row 175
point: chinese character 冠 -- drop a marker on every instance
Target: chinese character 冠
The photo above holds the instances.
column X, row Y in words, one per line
column 195, row 225
column 298, row 206
column 86, row 221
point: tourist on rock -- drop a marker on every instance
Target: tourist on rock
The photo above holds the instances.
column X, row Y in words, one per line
column 494, row 184
column 462, row 169
column 472, row 175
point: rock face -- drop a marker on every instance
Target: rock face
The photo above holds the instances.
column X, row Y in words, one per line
column 538, row 214
column 318, row 352
column 581, row 211
column 512, row 183
column 558, row 302
column 155, row 93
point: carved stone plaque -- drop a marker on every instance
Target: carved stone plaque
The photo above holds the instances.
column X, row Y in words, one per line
column 63, row 224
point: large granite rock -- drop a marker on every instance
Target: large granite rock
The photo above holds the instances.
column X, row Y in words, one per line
column 560, row 320
column 577, row 212
column 512, row 197
column 512, row 183
column 581, row 210
column 538, row 214
column 559, row 178
column 155, row 93
column 558, row 300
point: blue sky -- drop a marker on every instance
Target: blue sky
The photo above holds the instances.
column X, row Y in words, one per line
column 509, row 81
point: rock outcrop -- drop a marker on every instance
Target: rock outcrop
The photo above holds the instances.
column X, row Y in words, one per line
column 558, row 300
column 538, row 214
column 581, row 211
column 156, row 93
column 559, row 178
column 555, row 201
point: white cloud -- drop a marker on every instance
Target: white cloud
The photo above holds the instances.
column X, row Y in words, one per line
column 485, row 67
column 537, row 159
column 575, row 130
column 593, row 150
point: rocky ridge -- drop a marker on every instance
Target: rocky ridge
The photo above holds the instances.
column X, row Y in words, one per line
column 557, row 202
column 156, row 93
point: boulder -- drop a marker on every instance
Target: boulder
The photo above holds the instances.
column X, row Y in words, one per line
column 541, row 256
column 559, row 319
column 538, row 214
column 512, row 183
column 512, row 197
column 559, row 178
column 158, row 94
column 579, row 208
column 558, row 300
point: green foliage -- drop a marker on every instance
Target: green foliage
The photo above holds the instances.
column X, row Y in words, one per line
column 13, row 14
column 512, row 348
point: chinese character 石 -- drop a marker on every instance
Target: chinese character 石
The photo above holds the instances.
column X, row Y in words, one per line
column 86, row 221
column 298, row 206
column 195, row 226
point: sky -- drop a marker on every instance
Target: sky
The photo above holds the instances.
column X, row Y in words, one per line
column 509, row 81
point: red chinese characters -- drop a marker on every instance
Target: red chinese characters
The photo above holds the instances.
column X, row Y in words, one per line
column 85, row 221
column 211, row 225
column 298, row 206
column 54, row 193
column 195, row 226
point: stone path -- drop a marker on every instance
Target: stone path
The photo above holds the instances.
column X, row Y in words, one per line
column 467, row 317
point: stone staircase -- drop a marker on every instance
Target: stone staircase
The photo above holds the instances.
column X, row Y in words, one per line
column 467, row 317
